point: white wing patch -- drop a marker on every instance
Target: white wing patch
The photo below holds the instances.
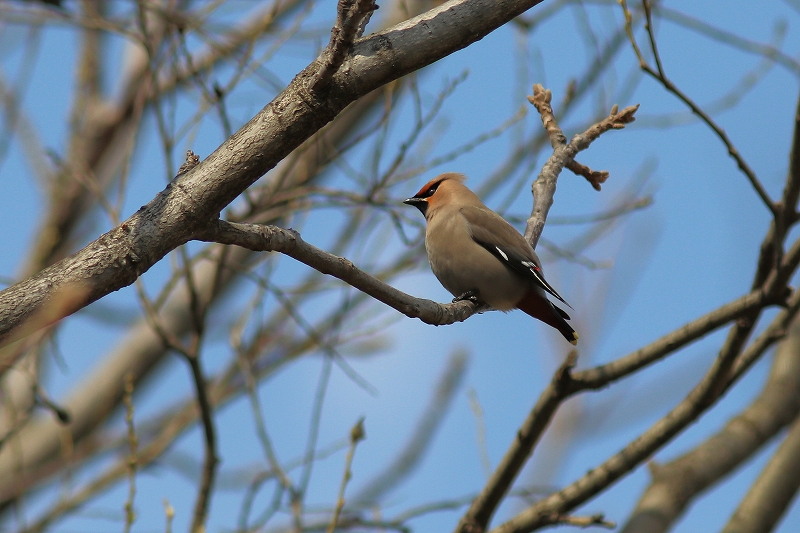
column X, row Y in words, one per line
column 528, row 266
column 537, row 273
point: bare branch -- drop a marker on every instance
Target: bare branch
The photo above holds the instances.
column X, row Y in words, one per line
column 594, row 378
column 586, row 521
column 117, row 258
column 767, row 51
column 356, row 435
column 483, row 507
column 544, row 188
column 674, row 484
column 713, row 385
column 140, row 350
column 350, row 21
column 273, row 239
column 133, row 442
column 770, row 495
column 595, row 177
column 658, row 74
column 210, row 460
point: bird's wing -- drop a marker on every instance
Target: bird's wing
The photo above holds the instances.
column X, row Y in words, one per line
column 500, row 239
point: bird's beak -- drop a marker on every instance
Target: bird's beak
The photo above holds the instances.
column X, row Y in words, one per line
column 419, row 203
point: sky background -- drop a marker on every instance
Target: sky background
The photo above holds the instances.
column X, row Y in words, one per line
column 689, row 252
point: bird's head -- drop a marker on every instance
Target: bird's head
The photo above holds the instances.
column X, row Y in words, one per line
column 439, row 191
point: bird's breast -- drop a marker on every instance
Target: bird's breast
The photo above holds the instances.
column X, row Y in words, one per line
column 462, row 265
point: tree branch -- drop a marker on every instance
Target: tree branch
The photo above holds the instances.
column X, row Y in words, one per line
column 118, row 257
column 544, row 188
column 92, row 399
column 674, row 484
column 601, row 376
column 351, row 18
column 476, row 519
column 274, row 239
column 713, row 385
column 773, row 491
column 661, row 77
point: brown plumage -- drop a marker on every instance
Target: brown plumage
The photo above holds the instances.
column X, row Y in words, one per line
column 474, row 252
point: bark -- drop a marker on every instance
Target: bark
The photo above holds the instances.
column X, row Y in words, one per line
column 172, row 218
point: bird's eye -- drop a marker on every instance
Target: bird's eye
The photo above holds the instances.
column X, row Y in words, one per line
column 431, row 190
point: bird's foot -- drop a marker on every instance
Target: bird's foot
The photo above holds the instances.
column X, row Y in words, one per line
column 472, row 296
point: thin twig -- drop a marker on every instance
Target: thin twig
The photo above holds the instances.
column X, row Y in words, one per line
column 480, row 432
column 169, row 513
column 133, row 442
column 586, row 521
column 564, row 153
column 211, row 460
column 658, row 74
column 356, row 435
column 41, row 398
column 595, row 177
column 483, row 507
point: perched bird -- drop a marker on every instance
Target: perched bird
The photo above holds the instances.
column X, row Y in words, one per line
column 476, row 254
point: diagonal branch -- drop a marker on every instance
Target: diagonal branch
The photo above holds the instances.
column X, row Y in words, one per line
column 713, row 385
column 773, row 491
column 92, row 399
column 118, row 257
column 483, row 507
column 659, row 75
column 274, row 239
column 675, row 483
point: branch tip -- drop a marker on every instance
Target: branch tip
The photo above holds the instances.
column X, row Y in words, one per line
column 595, row 177
column 564, row 373
column 351, row 20
column 541, row 100
column 585, row 521
column 192, row 159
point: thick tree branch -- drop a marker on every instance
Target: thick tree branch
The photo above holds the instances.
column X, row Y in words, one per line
column 118, row 257
column 141, row 349
column 770, row 495
column 716, row 381
column 676, row 483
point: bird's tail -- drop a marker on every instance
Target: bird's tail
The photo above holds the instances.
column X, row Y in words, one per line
column 540, row 308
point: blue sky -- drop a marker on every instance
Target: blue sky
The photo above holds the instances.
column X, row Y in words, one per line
column 692, row 250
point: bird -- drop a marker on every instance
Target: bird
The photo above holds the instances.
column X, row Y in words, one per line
column 475, row 254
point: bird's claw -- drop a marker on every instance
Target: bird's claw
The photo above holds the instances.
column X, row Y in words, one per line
column 472, row 296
